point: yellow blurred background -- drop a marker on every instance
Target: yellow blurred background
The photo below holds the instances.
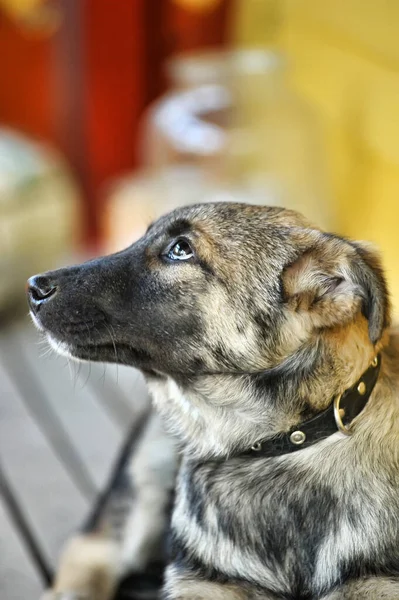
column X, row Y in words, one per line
column 346, row 56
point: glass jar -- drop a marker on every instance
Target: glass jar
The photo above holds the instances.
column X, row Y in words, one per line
column 183, row 141
column 229, row 129
column 187, row 126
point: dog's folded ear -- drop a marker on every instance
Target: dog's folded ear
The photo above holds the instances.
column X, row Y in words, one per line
column 332, row 281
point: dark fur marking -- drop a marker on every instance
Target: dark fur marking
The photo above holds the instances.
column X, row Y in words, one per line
column 150, row 227
column 206, row 267
column 179, row 227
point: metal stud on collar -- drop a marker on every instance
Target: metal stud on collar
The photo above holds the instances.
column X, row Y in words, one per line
column 297, row 437
column 361, row 388
column 257, row 447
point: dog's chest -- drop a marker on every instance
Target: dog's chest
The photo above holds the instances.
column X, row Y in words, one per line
column 278, row 528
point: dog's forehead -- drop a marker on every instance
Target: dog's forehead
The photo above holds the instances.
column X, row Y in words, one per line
column 226, row 219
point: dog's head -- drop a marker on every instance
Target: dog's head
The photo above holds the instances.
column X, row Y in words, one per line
column 219, row 291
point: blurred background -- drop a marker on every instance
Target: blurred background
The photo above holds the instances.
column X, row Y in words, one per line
column 112, row 113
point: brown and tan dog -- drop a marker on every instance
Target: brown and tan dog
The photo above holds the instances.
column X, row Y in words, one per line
column 266, row 348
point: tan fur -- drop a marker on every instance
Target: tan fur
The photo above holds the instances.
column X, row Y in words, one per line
column 89, row 567
column 381, row 588
column 183, row 588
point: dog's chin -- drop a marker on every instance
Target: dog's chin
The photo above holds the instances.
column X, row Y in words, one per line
column 62, row 348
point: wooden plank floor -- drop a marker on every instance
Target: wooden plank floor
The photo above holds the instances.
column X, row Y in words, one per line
column 61, row 427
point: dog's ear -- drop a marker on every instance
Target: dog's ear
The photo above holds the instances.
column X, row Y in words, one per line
column 335, row 279
column 369, row 275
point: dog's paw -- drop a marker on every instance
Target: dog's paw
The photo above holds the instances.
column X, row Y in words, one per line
column 66, row 595
column 87, row 570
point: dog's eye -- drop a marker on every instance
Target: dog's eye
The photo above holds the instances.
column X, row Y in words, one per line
column 181, row 250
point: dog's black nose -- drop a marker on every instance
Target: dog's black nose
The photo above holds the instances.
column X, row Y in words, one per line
column 40, row 289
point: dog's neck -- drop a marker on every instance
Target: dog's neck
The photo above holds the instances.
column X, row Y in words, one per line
column 221, row 415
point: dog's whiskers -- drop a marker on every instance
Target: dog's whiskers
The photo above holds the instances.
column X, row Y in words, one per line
column 112, row 336
column 102, row 378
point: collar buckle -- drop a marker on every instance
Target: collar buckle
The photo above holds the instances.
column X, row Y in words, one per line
column 359, row 389
column 339, row 414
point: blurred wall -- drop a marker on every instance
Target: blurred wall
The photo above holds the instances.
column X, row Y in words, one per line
column 26, row 83
column 346, row 58
column 79, row 74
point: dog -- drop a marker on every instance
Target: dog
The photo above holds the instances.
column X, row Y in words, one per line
column 267, row 348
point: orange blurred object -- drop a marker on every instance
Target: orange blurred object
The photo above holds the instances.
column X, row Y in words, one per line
column 198, row 5
column 84, row 84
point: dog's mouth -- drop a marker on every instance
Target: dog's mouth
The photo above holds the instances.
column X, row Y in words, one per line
column 114, row 351
column 71, row 345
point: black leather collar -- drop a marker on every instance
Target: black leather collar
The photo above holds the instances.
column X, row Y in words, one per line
column 337, row 417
